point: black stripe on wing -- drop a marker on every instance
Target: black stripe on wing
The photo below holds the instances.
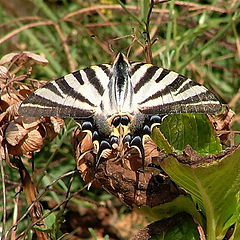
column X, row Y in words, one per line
column 204, row 102
column 145, row 78
column 91, row 75
column 69, row 91
column 178, row 82
column 171, row 88
column 53, row 89
column 36, row 106
column 62, row 98
column 163, row 74
column 157, row 95
column 78, row 76
column 135, row 66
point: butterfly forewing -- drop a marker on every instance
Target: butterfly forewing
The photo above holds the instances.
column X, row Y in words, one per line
column 76, row 95
column 161, row 91
column 104, row 90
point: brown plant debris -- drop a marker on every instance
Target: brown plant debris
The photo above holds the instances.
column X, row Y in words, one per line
column 20, row 135
column 101, row 218
column 193, row 159
column 222, row 123
column 122, row 177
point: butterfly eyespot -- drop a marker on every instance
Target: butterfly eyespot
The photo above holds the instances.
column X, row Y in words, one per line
column 116, row 121
column 155, row 119
column 137, row 141
column 127, row 139
column 104, row 145
column 95, row 136
column 125, row 120
column 87, row 126
column 113, row 139
column 146, row 130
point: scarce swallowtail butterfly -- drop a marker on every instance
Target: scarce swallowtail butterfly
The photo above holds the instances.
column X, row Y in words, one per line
column 120, row 103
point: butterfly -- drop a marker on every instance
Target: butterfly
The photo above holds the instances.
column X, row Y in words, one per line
column 120, row 103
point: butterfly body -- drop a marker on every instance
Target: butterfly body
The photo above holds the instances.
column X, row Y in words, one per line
column 123, row 100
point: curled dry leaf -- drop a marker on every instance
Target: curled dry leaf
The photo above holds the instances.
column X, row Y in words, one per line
column 84, row 154
column 32, row 142
column 15, row 133
column 221, row 124
column 22, row 58
column 20, row 135
column 3, row 72
column 26, row 135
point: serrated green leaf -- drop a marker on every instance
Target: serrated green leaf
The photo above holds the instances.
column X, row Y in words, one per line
column 213, row 186
column 191, row 129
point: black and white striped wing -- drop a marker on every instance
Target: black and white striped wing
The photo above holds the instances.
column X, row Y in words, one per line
column 161, row 91
column 75, row 95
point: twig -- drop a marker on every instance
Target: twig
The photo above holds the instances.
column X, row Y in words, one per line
column 25, row 27
column 52, row 210
column 21, row 19
column 4, row 199
column 71, row 62
column 235, row 99
column 112, row 7
column 195, row 6
column 148, row 46
column 38, row 198
column 201, row 232
column 15, row 213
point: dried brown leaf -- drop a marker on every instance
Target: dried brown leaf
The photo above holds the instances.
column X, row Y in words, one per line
column 221, row 123
column 3, row 72
column 15, row 133
column 33, row 142
column 22, row 57
column 57, row 124
column 10, row 99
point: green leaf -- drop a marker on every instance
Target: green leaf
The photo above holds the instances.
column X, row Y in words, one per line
column 166, row 210
column 50, row 220
column 236, row 235
column 185, row 230
column 213, row 186
column 191, row 129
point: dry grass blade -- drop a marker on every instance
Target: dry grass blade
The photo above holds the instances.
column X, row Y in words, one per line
column 112, row 7
column 195, row 6
column 36, row 212
column 31, row 25
column 71, row 62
